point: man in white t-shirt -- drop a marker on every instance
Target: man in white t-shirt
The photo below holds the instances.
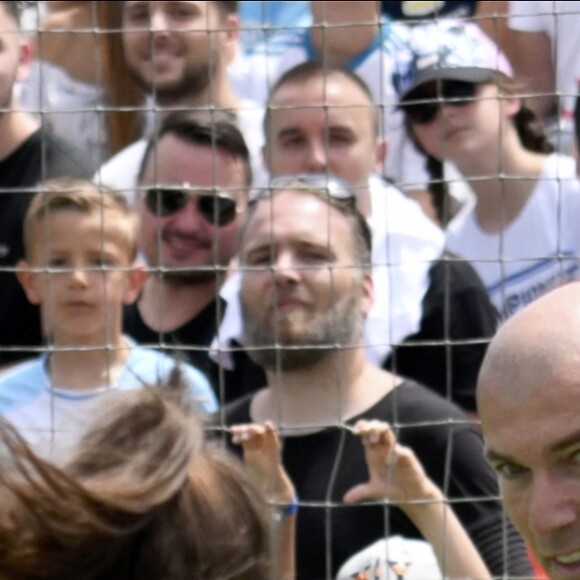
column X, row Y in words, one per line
column 354, row 35
column 179, row 54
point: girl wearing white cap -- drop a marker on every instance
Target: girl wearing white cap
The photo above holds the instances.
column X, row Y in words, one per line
column 462, row 105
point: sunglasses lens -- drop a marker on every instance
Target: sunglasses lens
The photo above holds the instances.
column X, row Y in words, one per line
column 455, row 91
column 217, row 209
column 421, row 113
column 164, row 201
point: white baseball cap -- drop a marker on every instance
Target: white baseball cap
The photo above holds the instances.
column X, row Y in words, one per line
column 447, row 49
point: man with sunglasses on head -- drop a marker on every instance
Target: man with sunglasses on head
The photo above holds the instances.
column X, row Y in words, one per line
column 193, row 186
column 305, row 258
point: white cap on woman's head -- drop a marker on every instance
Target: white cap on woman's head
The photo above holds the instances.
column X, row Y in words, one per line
column 447, row 50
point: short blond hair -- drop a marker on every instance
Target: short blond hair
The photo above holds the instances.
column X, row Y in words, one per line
column 65, row 194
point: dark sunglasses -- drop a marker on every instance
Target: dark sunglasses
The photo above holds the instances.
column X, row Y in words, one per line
column 455, row 93
column 326, row 186
column 215, row 206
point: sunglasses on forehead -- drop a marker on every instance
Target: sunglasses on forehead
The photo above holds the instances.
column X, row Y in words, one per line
column 330, row 186
column 435, row 95
column 326, row 186
column 216, row 207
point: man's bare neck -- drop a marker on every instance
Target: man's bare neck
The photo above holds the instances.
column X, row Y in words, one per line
column 166, row 305
column 328, row 394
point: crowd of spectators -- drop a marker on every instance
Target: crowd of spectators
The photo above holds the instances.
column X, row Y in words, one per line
column 173, row 178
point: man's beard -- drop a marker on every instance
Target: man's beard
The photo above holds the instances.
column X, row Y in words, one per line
column 190, row 277
column 309, row 340
column 210, row 269
column 193, row 82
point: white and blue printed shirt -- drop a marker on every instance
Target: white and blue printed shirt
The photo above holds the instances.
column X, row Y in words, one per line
column 537, row 251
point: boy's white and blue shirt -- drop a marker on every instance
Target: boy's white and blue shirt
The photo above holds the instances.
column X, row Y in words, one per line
column 52, row 418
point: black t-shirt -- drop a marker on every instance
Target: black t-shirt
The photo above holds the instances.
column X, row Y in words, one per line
column 191, row 341
column 457, row 323
column 42, row 156
column 326, row 464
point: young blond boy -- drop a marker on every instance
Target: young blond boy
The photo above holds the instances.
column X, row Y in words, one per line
column 80, row 267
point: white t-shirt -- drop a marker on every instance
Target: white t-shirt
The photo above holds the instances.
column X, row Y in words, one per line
column 539, row 250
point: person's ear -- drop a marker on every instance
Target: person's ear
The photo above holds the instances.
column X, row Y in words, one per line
column 512, row 106
column 136, row 278
column 381, row 151
column 29, row 281
column 232, row 27
column 25, row 58
column 368, row 293
column 231, row 37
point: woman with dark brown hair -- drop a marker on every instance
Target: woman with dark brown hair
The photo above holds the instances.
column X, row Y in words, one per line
column 143, row 497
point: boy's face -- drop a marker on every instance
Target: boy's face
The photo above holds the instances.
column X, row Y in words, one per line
column 86, row 282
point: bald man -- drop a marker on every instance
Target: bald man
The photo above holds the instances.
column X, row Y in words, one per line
column 529, row 404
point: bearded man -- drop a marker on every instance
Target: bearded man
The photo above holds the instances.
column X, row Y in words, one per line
column 179, row 52
column 306, row 289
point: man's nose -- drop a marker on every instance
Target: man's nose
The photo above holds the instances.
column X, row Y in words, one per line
column 158, row 20
column 318, row 157
column 188, row 218
column 285, row 269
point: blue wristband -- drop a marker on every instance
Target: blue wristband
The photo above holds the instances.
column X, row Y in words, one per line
column 287, row 510
column 290, row 509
